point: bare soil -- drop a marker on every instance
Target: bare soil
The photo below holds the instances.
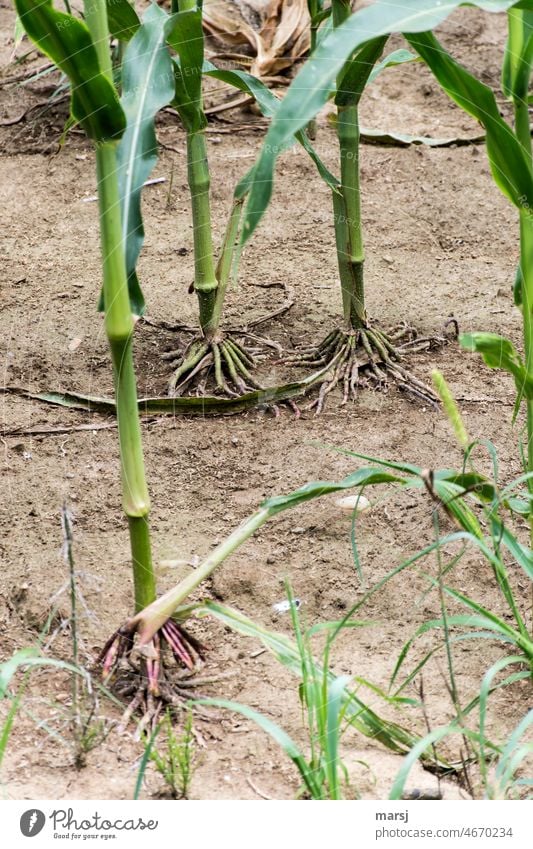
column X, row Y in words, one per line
column 440, row 240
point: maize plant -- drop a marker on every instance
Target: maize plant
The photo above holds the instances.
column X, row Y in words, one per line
column 82, row 51
column 356, row 348
column 232, row 363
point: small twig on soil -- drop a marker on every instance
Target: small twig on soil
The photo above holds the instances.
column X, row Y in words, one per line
column 12, row 121
column 32, row 72
column 42, row 103
column 52, row 430
column 230, row 104
column 465, row 400
column 257, row 790
column 258, row 125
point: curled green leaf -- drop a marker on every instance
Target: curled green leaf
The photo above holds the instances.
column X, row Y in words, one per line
column 68, row 43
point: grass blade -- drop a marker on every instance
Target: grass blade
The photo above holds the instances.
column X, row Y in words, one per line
column 278, row 734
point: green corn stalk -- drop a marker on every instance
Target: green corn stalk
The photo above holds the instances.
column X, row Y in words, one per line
column 205, row 279
column 347, row 202
column 82, row 52
column 515, row 82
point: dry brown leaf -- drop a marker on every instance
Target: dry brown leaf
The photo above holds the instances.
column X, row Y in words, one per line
column 274, row 33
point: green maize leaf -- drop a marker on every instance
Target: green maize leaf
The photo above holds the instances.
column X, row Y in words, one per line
column 498, row 352
column 437, row 625
column 311, row 87
column 473, row 482
column 519, row 506
column 186, row 38
column 122, row 19
column 357, row 72
column 397, row 57
column 362, row 477
column 522, row 554
column 518, row 54
column 67, row 42
column 451, row 497
column 508, row 161
column 278, row 734
column 145, row 761
column 448, row 486
column 10, row 667
column 362, row 717
column 147, row 86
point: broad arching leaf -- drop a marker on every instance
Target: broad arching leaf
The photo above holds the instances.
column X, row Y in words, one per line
column 310, row 89
column 68, row 43
column 147, row 86
column 316, row 489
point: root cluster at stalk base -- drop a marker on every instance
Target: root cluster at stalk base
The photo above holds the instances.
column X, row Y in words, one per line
column 231, row 364
column 360, row 358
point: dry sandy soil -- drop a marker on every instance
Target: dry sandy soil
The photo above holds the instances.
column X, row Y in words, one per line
column 440, row 240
